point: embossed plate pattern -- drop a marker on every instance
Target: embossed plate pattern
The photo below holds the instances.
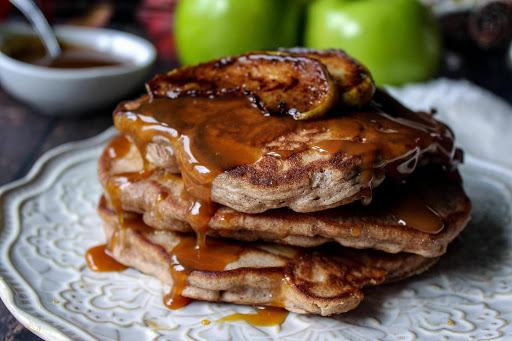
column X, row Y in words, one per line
column 48, row 220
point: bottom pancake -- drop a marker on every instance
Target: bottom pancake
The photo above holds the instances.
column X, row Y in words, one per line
column 324, row 280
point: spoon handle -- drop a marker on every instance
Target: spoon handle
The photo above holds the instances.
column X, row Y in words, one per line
column 43, row 29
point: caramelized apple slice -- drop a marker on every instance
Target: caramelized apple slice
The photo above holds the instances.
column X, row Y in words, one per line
column 355, row 83
column 277, row 82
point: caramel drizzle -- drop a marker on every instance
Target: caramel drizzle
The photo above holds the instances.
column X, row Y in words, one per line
column 213, row 135
column 187, row 257
column 98, row 259
column 413, row 212
column 115, row 185
column 264, row 316
column 118, row 148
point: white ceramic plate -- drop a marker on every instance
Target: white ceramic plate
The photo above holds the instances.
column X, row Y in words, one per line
column 48, row 220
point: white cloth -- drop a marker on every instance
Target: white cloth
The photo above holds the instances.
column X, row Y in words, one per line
column 481, row 121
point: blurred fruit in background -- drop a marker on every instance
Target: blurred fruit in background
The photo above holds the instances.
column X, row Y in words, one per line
column 398, row 40
column 208, row 29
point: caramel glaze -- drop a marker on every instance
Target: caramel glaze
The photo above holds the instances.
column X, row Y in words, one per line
column 117, row 148
column 214, row 135
column 412, row 211
column 186, row 257
column 401, row 203
column 265, row 316
column 99, row 260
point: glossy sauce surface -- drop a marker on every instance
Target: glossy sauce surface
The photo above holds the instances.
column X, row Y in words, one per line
column 264, row 317
column 213, row 255
column 98, row 260
column 72, row 56
column 395, row 204
column 213, row 135
column 186, row 257
column 413, row 212
column 116, row 149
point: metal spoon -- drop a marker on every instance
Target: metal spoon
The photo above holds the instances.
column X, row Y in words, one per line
column 38, row 21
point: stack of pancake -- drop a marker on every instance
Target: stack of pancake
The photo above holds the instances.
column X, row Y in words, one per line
column 236, row 183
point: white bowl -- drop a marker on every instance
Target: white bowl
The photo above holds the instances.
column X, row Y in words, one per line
column 75, row 91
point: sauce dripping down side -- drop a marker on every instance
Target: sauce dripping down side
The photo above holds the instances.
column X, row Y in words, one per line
column 99, row 260
column 198, row 212
column 397, row 204
column 413, row 212
column 116, row 149
column 214, row 135
column 401, row 200
column 186, row 257
column 265, row 316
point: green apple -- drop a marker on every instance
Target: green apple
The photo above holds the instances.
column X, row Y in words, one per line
column 208, row 29
column 398, row 40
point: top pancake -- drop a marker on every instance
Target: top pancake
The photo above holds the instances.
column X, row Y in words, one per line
column 227, row 149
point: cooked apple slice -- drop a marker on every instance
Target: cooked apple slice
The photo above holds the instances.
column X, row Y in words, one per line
column 277, row 82
column 355, row 82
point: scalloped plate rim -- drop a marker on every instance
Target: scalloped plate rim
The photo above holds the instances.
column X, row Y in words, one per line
column 37, row 326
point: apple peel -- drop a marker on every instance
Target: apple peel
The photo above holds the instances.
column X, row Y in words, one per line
column 353, row 79
column 277, row 82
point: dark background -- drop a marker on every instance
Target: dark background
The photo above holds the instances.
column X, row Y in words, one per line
column 26, row 134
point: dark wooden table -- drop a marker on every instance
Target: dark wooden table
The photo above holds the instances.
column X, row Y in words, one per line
column 25, row 135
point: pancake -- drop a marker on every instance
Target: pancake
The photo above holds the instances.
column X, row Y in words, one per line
column 158, row 196
column 324, row 281
column 230, row 153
